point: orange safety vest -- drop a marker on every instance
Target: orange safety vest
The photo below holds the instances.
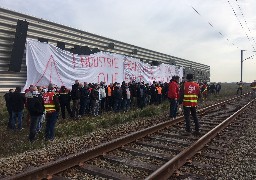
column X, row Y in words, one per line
column 48, row 102
column 159, row 90
column 109, row 91
column 191, row 92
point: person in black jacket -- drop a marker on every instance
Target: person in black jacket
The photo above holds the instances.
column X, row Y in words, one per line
column 65, row 98
column 117, row 97
column 36, row 109
column 17, row 100
column 8, row 106
column 153, row 93
column 75, row 96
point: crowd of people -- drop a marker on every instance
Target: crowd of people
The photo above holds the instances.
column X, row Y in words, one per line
column 209, row 89
column 93, row 99
column 83, row 99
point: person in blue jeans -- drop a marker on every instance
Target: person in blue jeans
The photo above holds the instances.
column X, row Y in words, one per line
column 8, row 106
column 36, row 109
column 51, row 119
column 52, row 107
column 173, row 95
column 17, row 100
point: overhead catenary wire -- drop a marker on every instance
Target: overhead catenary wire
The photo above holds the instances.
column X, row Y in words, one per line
column 245, row 21
column 240, row 23
column 214, row 28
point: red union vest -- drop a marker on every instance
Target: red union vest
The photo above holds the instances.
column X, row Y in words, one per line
column 48, row 102
column 191, row 91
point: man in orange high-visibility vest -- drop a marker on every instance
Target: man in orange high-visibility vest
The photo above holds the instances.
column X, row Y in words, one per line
column 190, row 91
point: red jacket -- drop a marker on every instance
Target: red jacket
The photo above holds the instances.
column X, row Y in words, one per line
column 173, row 90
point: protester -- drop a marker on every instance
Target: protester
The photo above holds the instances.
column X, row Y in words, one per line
column 117, row 97
column 159, row 94
column 95, row 99
column 102, row 92
column 75, row 96
column 8, row 106
column 153, row 93
column 189, row 94
column 17, row 100
column 218, row 88
column 52, row 107
column 212, row 88
column 36, row 109
column 109, row 98
column 65, row 98
column 141, row 95
column 28, row 95
column 173, row 95
column 204, row 90
column 42, row 118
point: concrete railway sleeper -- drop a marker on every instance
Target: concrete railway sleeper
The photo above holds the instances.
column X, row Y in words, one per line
column 152, row 153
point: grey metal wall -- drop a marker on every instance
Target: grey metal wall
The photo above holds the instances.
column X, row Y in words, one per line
column 56, row 32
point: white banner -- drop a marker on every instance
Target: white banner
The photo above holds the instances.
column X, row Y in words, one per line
column 49, row 64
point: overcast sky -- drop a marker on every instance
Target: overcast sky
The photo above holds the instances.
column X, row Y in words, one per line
column 214, row 37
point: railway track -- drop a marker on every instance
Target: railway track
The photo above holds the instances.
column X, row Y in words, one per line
column 153, row 153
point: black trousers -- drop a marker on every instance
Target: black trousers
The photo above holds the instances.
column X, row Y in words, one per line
column 187, row 111
column 63, row 107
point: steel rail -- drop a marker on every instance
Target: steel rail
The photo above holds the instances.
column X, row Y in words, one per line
column 165, row 171
column 73, row 160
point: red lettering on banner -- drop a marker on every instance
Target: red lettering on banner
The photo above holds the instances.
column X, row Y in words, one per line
column 74, row 62
column 100, row 76
column 96, row 62
column 147, row 69
column 92, row 61
column 130, row 65
column 104, row 77
column 101, row 62
column 110, row 62
column 114, row 77
column 115, row 63
column 128, row 77
column 82, row 61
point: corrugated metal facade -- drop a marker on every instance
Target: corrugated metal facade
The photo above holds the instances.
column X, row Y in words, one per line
column 56, row 32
